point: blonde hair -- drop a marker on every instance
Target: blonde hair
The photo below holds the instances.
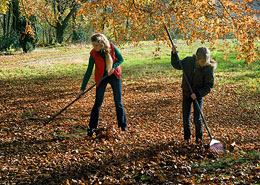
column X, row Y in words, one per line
column 204, row 54
column 103, row 41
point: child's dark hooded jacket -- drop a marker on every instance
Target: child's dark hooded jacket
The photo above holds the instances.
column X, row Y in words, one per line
column 201, row 78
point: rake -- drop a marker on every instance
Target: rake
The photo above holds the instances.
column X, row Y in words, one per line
column 214, row 145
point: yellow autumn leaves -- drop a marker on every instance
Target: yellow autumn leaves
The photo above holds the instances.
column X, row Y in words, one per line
column 3, row 6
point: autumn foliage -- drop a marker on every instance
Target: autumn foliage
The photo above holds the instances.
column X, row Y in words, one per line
column 136, row 20
column 153, row 151
column 3, row 6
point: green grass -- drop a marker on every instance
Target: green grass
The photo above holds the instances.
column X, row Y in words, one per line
column 231, row 71
column 27, row 114
column 227, row 164
column 139, row 62
column 230, row 160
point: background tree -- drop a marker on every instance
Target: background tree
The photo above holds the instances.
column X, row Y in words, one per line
column 18, row 28
column 57, row 13
column 24, row 26
column 5, row 16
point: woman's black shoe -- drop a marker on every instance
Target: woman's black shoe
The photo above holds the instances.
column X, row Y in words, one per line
column 90, row 132
column 123, row 129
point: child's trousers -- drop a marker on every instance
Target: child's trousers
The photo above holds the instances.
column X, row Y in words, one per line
column 186, row 111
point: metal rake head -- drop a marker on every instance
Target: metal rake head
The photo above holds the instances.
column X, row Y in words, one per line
column 216, row 146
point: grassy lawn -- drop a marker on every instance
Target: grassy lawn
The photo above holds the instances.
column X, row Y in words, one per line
column 139, row 61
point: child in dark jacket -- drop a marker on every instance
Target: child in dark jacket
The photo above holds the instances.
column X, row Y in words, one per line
column 199, row 70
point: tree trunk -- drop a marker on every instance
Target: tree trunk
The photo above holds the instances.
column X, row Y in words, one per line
column 127, row 23
column 62, row 25
column 16, row 14
column 4, row 25
column 60, row 32
column 8, row 20
column 104, row 19
column 50, row 36
column 43, row 36
column 74, row 32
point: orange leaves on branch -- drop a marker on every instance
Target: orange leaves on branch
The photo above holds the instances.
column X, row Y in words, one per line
column 137, row 20
column 29, row 30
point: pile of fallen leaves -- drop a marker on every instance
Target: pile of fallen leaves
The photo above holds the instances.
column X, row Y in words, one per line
column 152, row 152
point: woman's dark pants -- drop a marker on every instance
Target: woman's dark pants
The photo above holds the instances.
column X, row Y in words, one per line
column 100, row 90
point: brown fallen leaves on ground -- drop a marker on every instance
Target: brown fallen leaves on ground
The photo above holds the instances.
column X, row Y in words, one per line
column 152, row 152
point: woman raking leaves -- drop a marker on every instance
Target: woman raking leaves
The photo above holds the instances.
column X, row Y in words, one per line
column 107, row 60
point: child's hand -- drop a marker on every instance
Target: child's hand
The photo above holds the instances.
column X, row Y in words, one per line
column 193, row 96
column 174, row 49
